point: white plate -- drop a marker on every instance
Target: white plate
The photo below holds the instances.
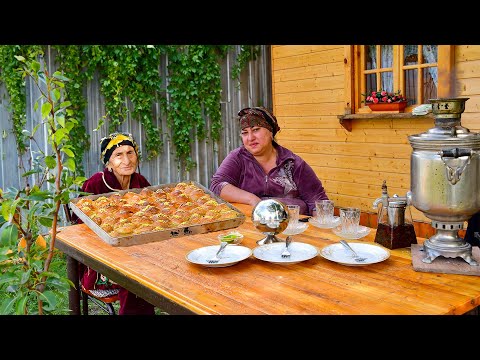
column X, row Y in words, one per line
column 295, row 229
column 273, row 252
column 335, row 222
column 337, row 253
column 230, row 256
column 361, row 232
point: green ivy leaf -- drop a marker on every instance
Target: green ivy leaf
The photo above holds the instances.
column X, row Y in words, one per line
column 56, row 94
column 65, row 104
column 49, row 274
column 61, row 283
column 7, row 306
column 50, row 162
column 45, row 221
column 9, row 234
column 31, row 172
column 38, row 195
column 69, row 164
column 50, row 300
column 21, row 305
column 58, row 75
column 35, row 66
column 67, row 151
column 8, row 209
column 46, row 107
column 25, row 277
column 60, row 120
column 60, row 134
column 7, row 277
column 35, row 129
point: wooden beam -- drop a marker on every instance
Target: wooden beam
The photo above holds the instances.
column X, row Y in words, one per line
column 349, row 91
column 446, row 75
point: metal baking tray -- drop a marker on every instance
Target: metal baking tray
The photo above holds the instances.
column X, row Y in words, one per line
column 137, row 239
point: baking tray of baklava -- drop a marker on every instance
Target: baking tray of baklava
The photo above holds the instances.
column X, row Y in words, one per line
column 154, row 213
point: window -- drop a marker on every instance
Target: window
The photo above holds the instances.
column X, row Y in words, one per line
column 412, row 69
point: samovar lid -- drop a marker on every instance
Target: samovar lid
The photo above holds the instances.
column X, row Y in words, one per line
column 448, row 130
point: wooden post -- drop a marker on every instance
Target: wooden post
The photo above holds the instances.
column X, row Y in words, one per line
column 74, row 293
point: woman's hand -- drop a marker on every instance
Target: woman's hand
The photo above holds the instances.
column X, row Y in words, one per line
column 234, row 194
column 254, row 200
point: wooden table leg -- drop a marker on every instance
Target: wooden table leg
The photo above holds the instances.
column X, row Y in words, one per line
column 74, row 293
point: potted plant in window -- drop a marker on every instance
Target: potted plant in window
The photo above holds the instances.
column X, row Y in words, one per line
column 382, row 100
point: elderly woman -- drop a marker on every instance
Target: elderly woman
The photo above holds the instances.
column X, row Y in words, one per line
column 119, row 154
column 262, row 169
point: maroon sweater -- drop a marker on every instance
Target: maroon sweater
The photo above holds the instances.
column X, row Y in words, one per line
column 96, row 185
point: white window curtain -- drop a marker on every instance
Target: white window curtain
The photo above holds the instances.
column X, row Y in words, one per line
column 386, row 78
column 430, row 53
column 387, row 61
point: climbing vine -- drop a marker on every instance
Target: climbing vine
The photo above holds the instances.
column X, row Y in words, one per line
column 247, row 53
column 15, row 85
column 194, row 90
column 70, row 60
column 131, row 73
column 131, row 84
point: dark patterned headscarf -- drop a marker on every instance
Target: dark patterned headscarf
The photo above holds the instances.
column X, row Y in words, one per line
column 258, row 116
column 109, row 143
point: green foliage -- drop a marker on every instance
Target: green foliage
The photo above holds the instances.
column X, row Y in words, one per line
column 27, row 249
column 247, row 53
column 130, row 73
column 194, row 90
column 72, row 64
column 15, row 85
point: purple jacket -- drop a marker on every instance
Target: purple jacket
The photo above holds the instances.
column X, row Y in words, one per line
column 292, row 181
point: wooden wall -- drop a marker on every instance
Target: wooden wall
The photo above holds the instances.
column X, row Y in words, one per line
column 309, row 84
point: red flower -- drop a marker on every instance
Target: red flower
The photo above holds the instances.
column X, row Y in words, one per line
column 382, row 96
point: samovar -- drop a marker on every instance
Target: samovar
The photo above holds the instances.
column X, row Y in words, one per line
column 445, row 178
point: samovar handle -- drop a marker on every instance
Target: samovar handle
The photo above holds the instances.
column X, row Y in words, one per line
column 455, row 172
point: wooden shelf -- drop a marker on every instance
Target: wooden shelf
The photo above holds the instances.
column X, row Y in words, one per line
column 346, row 120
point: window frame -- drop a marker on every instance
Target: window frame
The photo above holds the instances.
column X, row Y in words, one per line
column 355, row 75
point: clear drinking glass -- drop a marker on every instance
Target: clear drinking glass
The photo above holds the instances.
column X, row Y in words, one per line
column 325, row 210
column 349, row 220
column 293, row 214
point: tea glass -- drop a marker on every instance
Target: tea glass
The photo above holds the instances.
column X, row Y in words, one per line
column 349, row 220
column 324, row 209
column 293, row 215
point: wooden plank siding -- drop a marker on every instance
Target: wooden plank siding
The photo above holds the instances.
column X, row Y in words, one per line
column 310, row 86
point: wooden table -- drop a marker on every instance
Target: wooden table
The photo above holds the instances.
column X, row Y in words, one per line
column 159, row 273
